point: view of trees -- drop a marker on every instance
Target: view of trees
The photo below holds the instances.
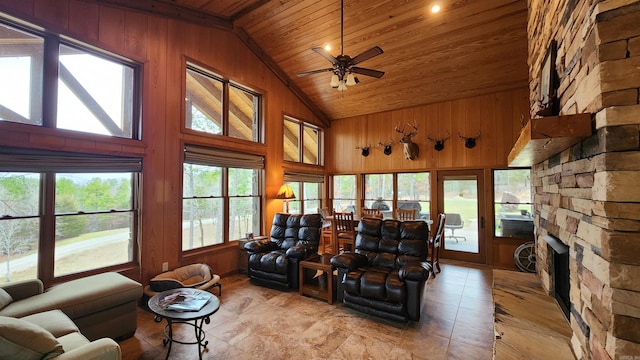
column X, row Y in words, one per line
column 83, row 204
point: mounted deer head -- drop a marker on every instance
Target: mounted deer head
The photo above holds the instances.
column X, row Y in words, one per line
column 438, row 144
column 386, row 147
column 470, row 142
column 364, row 150
column 411, row 149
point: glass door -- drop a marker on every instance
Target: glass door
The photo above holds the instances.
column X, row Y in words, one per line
column 461, row 198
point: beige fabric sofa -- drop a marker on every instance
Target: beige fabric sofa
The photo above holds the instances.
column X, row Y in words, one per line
column 102, row 305
column 51, row 335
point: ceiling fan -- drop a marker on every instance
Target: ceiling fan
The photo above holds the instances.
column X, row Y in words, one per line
column 344, row 65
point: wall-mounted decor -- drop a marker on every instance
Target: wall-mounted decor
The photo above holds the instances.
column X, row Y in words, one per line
column 438, row 144
column 548, row 91
column 386, row 147
column 364, row 150
column 411, row 149
column 470, row 142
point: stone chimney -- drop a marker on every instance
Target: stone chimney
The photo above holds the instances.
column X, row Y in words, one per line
column 588, row 196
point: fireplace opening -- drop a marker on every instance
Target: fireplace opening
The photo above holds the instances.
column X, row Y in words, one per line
column 560, row 272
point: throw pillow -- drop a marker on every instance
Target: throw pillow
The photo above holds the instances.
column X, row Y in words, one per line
column 22, row 340
column 5, row 298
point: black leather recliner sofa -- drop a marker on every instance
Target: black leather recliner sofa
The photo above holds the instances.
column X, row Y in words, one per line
column 387, row 272
column 274, row 261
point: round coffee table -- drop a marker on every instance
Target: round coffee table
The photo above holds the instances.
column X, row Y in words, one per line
column 199, row 318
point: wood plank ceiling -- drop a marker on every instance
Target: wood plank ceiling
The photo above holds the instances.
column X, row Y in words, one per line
column 469, row 48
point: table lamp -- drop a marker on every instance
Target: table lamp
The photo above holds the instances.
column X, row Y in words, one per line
column 285, row 193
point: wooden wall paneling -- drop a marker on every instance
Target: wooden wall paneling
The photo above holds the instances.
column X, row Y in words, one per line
column 470, row 128
column 112, row 29
column 458, row 119
column 487, row 125
column 445, row 158
column 153, row 135
column 19, row 8
column 503, row 117
column 135, row 34
column 85, row 20
column 55, row 13
column 429, row 115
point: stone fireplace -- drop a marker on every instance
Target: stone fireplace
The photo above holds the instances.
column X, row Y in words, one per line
column 588, row 196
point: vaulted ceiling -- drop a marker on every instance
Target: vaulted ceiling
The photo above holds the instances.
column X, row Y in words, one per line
column 470, row 47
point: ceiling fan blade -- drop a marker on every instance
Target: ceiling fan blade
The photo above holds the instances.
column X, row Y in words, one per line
column 374, row 51
column 314, row 72
column 367, row 72
column 326, row 55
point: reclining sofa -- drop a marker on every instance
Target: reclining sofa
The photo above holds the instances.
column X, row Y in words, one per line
column 274, row 261
column 387, row 272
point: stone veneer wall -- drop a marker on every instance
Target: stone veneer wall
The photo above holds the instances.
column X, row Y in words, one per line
column 588, row 196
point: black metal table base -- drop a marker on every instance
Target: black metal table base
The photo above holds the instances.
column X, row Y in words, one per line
column 197, row 326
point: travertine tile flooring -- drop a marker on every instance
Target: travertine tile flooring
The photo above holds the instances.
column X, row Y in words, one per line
column 255, row 322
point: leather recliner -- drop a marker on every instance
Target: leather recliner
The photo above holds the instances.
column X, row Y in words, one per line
column 387, row 272
column 274, row 261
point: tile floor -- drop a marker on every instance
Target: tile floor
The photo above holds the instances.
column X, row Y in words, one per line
column 260, row 323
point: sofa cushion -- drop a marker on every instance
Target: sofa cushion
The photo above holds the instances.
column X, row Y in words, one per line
column 72, row 341
column 20, row 339
column 54, row 321
column 5, row 298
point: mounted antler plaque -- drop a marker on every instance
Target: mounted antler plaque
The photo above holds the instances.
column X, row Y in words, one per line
column 470, row 142
column 411, row 149
column 438, row 144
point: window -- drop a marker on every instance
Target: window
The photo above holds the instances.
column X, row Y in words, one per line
column 216, row 106
column 307, row 188
column 302, row 142
column 344, row 193
column 222, row 196
column 513, row 203
column 94, row 92
column 414, row 192
column 378, row 193
column 93, row 222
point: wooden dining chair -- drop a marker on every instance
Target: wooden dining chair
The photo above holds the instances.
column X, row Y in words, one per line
column 344, row 230
column 326, row 234
column 371, row 212
column 435, row 243
column 405, row 214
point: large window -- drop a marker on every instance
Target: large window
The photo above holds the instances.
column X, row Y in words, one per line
column 302, row 142
column 222, row 196
column 513, row 203
column 217, row 106
column 414, row 192
column 90, row 92
column 344, row 193
column 77, row 214
column 307, row 188
column 378, row 193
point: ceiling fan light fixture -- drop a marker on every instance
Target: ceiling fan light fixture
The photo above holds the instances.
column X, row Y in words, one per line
column 351, row 80
column 335, row 81
column 342, row 86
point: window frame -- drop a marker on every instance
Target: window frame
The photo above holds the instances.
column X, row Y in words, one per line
column 227, row 84
column 495, row 203
column 302, row 125
column 49, row 95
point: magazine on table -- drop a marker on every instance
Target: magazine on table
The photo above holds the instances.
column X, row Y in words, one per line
column 185, row 300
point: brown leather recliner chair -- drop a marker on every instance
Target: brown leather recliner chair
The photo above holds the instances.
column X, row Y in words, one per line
column 386, row 275
column 275, row 261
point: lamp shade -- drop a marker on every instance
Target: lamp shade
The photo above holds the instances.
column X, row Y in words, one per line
column 285, row 192
column 335, row 81
column 351, row 80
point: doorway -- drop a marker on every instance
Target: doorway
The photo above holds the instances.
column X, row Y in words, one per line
column 461, row 197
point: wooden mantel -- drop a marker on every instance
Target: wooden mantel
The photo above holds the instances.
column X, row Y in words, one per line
column 544, row 137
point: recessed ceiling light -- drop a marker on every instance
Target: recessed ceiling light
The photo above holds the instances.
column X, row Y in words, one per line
column 327, row 47
column 435, row 8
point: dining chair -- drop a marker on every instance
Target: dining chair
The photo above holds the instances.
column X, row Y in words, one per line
column 371, row 212
column 405, row 214
column 344, row 230
column 326, row 234
column 435, row 242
